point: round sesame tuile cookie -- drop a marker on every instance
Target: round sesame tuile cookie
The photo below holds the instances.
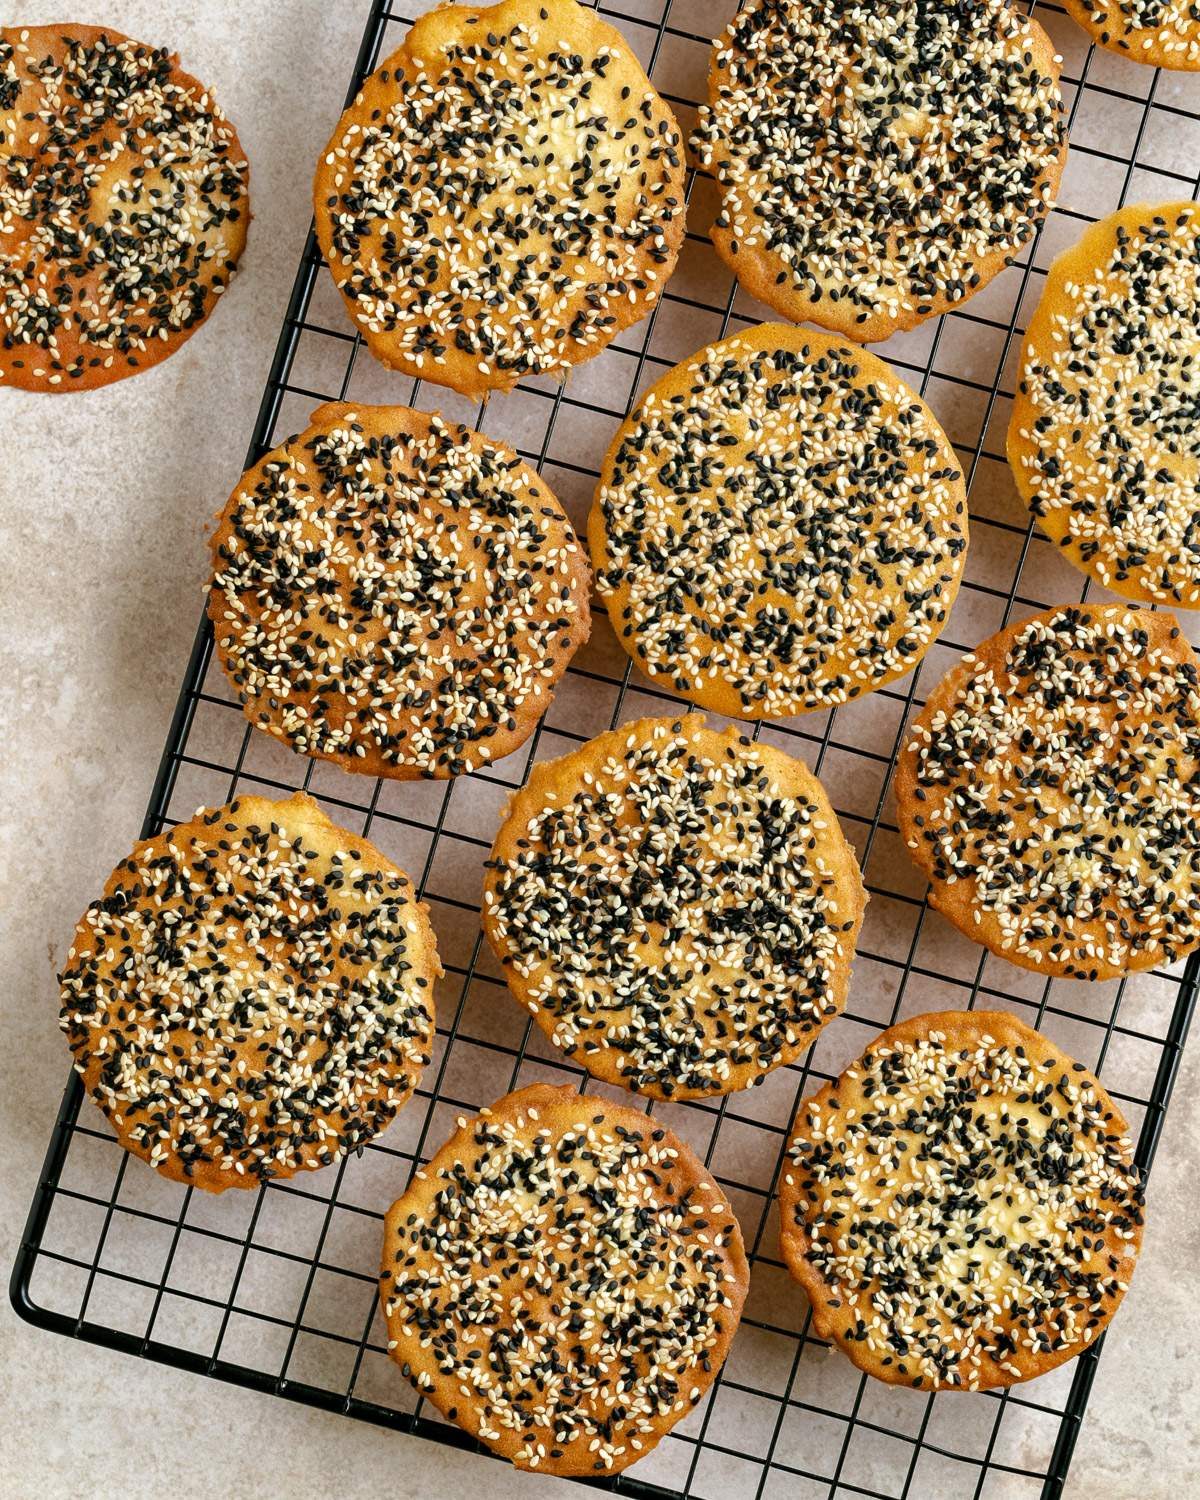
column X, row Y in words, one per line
column 676, row 906
column 1050, row 790
column 878, row 165
column 123, row 206
column 252, row 995
column 780, row 525
column 396, row 593
column 504, row 196
column 563, row 1280
column 1104, row 439
column 961, row 1206
column 1162, row 33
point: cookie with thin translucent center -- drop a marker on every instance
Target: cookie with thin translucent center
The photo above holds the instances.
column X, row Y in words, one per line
column 123, row 206
column 1163, row 33
column 252, row 995
column 878, row 164
column 396, row 594
column 780, row 525
column 1104, row 439
column 1050, row 790
column 505, row 195
column 676, row 906
column 563, row 1280
column 961, row 1206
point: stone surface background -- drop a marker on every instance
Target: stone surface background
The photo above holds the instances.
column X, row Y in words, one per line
column 104, row 505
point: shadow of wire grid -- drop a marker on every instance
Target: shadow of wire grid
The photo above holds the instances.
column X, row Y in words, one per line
column 276, row 1290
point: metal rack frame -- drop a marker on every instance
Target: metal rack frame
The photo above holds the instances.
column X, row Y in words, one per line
column 1146, row 1018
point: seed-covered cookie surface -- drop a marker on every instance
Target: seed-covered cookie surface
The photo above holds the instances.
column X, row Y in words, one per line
column 563, row 1280
column 961, row 1205
column 677, row 907
column 1104, row 439
column 879, row 163
column 1050, row 789
column 779, row 526
column 1162, row 33
column 123, row 206
column 252, row 995
column 396, row 593
column 504, row 196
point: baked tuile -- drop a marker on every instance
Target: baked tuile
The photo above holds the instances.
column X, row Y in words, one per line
column 396, row 594
column 961, row 1206
column 504, row 196
column 123, row 206
column 878, row 164
column 780, row 525
column 1050, row 791
column 676, row 906
column 563, row 1280
column 1159, row 33
column 1104, row 438
column 252, row 996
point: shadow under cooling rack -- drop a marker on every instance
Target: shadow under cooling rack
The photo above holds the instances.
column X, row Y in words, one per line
column 275, row 1290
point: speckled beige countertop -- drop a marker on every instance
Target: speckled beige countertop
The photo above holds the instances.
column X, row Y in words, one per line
column 104, row 501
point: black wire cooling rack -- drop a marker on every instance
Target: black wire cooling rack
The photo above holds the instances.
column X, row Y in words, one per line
column 276, row 1290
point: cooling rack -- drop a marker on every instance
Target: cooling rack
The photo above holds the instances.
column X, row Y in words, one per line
column 275, row 1290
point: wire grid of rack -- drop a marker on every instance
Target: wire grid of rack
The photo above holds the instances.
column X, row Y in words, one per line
column 276, row 1290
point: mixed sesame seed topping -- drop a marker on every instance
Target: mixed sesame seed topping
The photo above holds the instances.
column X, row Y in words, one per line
column 781, row 526
column 677, row 907
column 889, row 156
column 252, row 995
column 563, row 1278
column 505, row 195
column 397, row 593
column 1051, row 791
column 123, row 206
column 1105, row 434
column 1165, row 33
column 967, row 1208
